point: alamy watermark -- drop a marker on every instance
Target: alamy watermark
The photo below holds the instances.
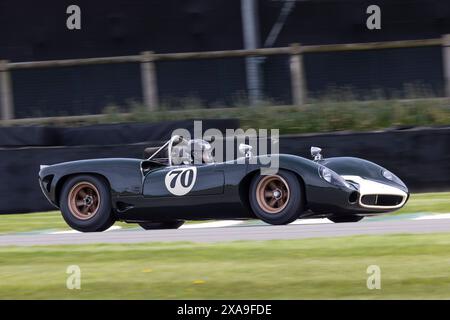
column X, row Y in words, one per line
column 73, row 281
column 258, row 147
column 373, row 22
column 73, row 21
column 374, row 278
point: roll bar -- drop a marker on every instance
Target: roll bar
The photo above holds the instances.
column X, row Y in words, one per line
column 174, row 139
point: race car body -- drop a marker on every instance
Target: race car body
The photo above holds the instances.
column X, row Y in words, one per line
column 163, row 192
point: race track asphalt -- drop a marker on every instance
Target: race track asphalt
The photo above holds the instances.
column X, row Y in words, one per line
column 233, row 233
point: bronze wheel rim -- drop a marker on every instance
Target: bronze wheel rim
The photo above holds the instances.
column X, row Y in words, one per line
column 272, row 194
column 84, row 200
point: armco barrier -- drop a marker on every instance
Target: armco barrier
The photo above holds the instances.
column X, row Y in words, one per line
column 420, row 157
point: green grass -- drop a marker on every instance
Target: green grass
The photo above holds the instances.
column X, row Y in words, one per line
column 10, row 223
column 412, row 267
column 31, row 222
column 427, row 202
column 15, row 223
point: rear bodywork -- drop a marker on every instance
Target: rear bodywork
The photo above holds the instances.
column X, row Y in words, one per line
column 139, row 189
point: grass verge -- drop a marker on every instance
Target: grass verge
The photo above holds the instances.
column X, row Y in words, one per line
column 36, row 222
column 412, row 267
column 438, row 202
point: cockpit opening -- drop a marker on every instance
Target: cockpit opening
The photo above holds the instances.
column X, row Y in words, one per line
column 179, row 151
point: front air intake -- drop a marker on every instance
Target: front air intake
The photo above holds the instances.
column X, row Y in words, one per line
column 381, row 200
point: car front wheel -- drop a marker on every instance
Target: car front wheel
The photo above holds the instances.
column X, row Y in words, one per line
column 277, row 199
column 85, row 203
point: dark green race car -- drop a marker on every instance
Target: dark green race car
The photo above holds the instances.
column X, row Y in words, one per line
column 169, row 187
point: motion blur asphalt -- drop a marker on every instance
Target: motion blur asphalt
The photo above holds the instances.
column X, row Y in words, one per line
column 234, row 233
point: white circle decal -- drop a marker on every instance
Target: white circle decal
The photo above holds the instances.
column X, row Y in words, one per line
column 181, row 180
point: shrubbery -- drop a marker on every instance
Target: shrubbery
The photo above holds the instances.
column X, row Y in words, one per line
column 319, row 116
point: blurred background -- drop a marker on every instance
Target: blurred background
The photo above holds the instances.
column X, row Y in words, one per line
column 128, row 28
column 136, row 70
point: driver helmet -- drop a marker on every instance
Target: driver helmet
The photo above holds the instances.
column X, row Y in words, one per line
column 201, row 151
column 181, row 155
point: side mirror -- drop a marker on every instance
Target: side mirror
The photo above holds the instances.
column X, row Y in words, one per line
column 316, row 153
column 246, row 150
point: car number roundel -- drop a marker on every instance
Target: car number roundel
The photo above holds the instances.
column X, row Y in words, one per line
column 181, row 180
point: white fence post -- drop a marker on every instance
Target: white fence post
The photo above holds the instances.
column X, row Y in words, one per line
column 297, row 75
column 6, row 99
column 149, row 82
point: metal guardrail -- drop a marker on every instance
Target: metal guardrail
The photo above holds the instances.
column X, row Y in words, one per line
column 148, row 70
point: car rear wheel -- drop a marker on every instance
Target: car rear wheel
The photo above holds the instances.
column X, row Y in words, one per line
column 161, row 225
column 85, row 203
column 348, row 218
column 277, row 199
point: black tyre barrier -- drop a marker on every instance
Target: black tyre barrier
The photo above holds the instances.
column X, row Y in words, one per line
column 103, row 134
column 31, row 136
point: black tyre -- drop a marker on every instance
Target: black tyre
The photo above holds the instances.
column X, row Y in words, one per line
column 277, row 199
column 85, row 203
column 162, row 225
column 345, row 218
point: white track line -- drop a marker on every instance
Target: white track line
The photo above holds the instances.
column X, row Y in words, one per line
column 312, row 221
column 214, row 224
column 434, row 216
